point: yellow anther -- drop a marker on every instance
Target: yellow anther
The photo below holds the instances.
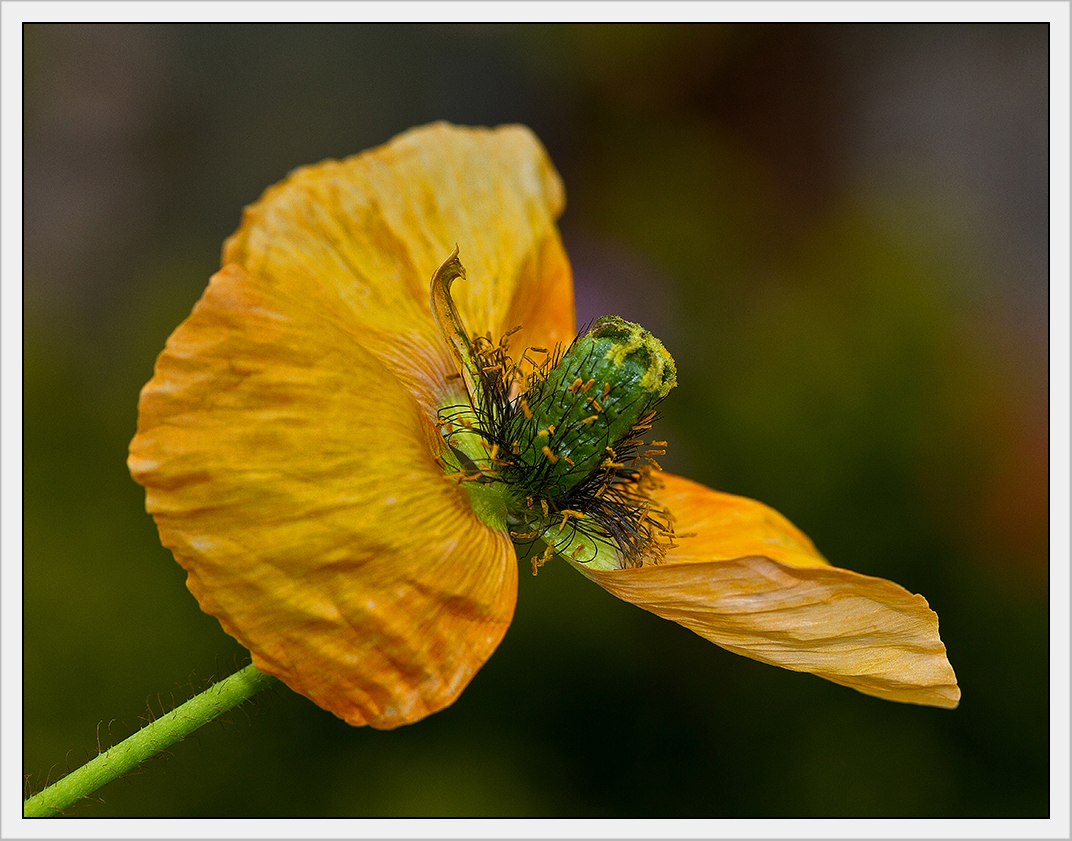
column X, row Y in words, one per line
column 566, row 514
column 542, row 559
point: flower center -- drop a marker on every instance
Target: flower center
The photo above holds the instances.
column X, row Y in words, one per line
column 558, row 454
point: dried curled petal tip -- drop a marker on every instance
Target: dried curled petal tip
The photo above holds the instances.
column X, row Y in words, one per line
column 450, row 323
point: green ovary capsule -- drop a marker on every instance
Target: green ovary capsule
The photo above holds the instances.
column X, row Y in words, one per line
column 573, row 422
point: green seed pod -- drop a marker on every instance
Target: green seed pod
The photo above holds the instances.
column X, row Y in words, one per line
column 565, row 452
column 573, row 421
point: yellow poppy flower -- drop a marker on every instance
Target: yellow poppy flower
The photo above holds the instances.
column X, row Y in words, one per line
column 316, row 452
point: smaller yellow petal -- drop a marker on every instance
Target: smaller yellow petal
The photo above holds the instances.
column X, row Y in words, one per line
column 721, row 526
column 752, row 583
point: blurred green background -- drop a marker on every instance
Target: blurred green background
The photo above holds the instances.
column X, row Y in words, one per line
column 840, row 232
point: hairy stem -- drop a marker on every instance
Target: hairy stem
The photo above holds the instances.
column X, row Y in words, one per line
column 147, row 742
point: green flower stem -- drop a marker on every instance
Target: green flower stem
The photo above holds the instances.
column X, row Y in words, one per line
column 150, row 740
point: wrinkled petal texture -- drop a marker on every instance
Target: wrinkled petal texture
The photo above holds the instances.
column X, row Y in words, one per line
column 292, row 475
column 751, row 582
column 362, row 238
column 286, row 439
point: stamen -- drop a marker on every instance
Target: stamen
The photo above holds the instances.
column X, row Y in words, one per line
column 543, row 558
column 521, row 407
column 526, row 358
column 461, row 476
column 566, row 514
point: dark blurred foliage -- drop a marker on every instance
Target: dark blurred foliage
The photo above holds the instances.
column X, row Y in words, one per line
column 840, row 232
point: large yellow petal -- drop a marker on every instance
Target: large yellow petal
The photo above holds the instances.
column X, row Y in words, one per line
column 751, row 582
column 293, row 475
column 363, row 237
